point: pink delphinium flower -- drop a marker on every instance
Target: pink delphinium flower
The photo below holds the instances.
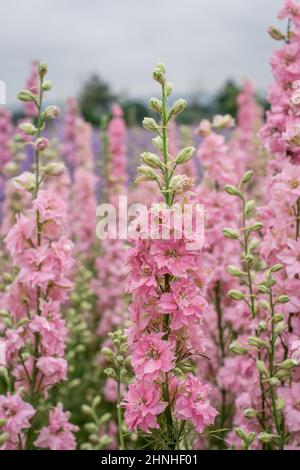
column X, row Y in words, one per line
column 143, row 403
column 59, row 434
column 193, row 404
column 17, row 414
column 152, row 356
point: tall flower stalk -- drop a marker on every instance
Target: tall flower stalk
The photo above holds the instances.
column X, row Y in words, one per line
column 167, row 309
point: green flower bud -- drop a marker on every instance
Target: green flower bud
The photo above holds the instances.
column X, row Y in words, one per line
column 237, row 348
column 158, row 73
column 147, row 172
column 104, row 419
column 232, row 190
column 51, row 112
column 276, row 268
column 150, row 124
column 185, row 155
column 151, row 160
column 250, row 413
column 47, row 85
column 54, row 169
column 26, row 95
column 280, row 404
column 241, row 434
column 3, row 422
column 262, row 368
column 283, row 299
column 278, row 317
column 265, row 305
column 250, row 438
column 43, row 69
column 257, row 342
column 262, row 289
column 234, row 271
column 266, row 438
column 249, row 206
column 158, row 143
column 28, row 128
column 236, row 295
column 168, row 89
column 87, row 410
column 229, row 233
column 247, row 177
column 177, row 108
column 256, row 227
column 275, row 33
column 91, row 427
column 96, row 401
column 280, row 327
column 155, row 105
column 288, row 364
column 3, row 438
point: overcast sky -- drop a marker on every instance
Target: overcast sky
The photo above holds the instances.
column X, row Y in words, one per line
column 201, row 42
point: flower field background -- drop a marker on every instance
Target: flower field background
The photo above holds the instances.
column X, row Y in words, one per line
column 146, row 343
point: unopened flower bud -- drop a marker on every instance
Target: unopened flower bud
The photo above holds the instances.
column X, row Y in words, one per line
column 47, row 85
column 177, row 108
column 234, row 271
column 283, row 299
column 150, row 124
column 266, row 438
column 158, row 73
column 28, row 128
column 288, row 364
column 276, row 268
column 51, row 112
column 262, row 326
column 107, row 353
column 54, row 169
column 262, row 368
column 280, row 404
column 264, row 304
column 232, row 190
column 91, row 427
column 275, row 33
column 237, row 348
column 185, row 155
column 241, row 434
column 147, row 172
column 257, row 342
column 229, row 233
column 25, row 181
column 204, row 129
column 249, row 206
column 250, row 413
column 87, row 410
column 3, row 438
column 96, row 401
column 256, row 227
column 247, row 177
column 151, row 160
column 3, row 421
column 236, row 295
column 280, row 327
column 104, row 419
column 43, row 69
column 26, row 95
column 278, row 317
column 158, row 143
column 262, row 289
column 223, row 122
column 168, row 89
column 41, row 143
column 155, row 104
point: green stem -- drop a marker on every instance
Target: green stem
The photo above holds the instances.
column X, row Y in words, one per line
column 165, row 144
column 280, row 431
column 119, row 413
